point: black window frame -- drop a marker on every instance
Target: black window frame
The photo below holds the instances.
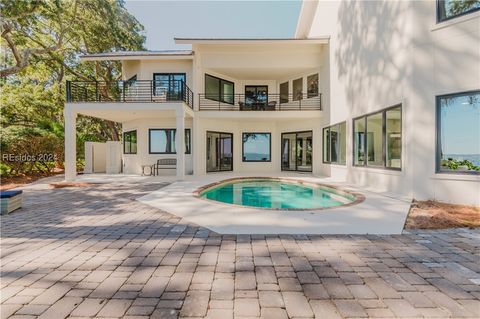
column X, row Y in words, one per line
column 440, row 19
column 170, row 81
column 284, row 98
column 365, row 140
column 220, row 93
column 187, row 147
column 438, row 132
column 129, row 133
column 330, row 144
column 317, row 93
column 269, row 147
column 296, row 138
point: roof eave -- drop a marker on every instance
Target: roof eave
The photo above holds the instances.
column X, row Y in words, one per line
column 317, row 40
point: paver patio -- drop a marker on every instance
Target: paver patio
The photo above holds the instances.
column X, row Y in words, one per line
column 97, row 252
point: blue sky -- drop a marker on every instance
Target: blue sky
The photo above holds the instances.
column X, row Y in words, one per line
column 164, row 20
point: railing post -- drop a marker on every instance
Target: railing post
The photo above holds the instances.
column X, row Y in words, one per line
column 69, row 92
column 97, row 96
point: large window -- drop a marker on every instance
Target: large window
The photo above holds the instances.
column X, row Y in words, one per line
column 130, row 142
column 168, row 85
column 377, row 139
column 284, row 92
column 297, row 89
column 312, row 85
column 448, row 9
column 458, row 132
column 219, row 89
column 334, row 144
column 256, row 147
column 162, row 141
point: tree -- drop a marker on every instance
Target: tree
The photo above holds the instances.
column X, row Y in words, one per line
column 41, row 45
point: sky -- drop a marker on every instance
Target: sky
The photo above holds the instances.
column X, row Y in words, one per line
column 164, row 20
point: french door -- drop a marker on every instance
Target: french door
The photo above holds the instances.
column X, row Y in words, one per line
column 256, row 95
column 169, row 85
column 297, row 151
column 219, row 151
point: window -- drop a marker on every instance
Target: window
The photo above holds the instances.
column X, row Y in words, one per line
column 312, row 85
column 377, row 139
column 448, row 9
column 393, row 135
column 219, row 90
column 130, row 142
column 162, row 141
column 169, row 85
column 458, row 133
column 284, row 92
column 298, row 89
column 335, row 144
column 256, row 147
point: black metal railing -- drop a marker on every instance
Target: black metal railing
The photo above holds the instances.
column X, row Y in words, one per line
column 269, row 102
column 129, row 91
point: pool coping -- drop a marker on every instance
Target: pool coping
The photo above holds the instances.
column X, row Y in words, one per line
column 359, row 198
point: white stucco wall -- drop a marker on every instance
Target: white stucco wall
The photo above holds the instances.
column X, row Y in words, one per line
column 383, row 53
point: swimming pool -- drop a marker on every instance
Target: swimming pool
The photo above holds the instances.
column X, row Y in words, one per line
column 269, row 193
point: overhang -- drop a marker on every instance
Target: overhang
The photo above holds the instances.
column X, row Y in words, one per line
column 318, row 40
column 137, row 55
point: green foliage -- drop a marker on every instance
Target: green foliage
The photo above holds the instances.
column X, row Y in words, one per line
column 49, row 37
column 455, row 164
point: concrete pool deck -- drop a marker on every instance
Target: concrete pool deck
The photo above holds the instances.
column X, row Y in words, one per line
column 378, row 214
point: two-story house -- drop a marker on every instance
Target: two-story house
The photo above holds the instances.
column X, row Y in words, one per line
column 380, row 94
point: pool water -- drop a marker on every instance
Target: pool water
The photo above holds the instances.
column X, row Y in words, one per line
column 275, row 194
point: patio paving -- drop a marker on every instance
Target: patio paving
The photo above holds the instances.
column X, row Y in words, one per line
column 97, row 252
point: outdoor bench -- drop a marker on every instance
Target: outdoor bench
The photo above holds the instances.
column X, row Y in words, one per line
column 10, row 201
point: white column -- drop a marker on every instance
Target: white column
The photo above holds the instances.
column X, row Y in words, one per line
column 180, row 143
column 70, row 144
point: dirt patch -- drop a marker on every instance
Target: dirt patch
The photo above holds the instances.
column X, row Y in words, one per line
column 437, row 215
column 70, row 184
column 7, row 183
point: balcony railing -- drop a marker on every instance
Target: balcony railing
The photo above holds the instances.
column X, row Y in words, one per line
column 269, row 102
column 129, row 91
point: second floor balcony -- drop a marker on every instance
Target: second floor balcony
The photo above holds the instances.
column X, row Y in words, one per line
column 129, row 91
column 261, row 102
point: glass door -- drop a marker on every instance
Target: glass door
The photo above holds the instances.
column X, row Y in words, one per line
column 169, row 85
column 256, row 96
column 219, row 151
column 297, row 151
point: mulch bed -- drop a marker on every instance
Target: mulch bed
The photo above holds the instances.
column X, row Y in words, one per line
column 7, row 183
column 437, row 215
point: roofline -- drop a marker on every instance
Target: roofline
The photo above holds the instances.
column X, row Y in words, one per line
column 319, row 40
column 136, row 55
column 305, row 18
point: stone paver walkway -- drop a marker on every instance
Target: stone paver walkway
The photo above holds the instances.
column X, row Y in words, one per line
column 96, row 252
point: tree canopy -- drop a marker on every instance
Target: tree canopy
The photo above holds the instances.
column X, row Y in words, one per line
column 40, row 49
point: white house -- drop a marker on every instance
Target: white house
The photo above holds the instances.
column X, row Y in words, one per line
column 381, row 94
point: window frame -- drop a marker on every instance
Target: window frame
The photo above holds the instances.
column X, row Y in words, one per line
column 440, row 19
column 316, row 94
column 365, row 139
column 187, row 147
column 300, row 96
column 130, row 142
column 282, row 96
column 269, row 148
column 330, row 139
column 438, row 132
column 220, row 99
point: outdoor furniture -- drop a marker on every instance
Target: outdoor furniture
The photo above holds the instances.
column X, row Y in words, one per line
column 150, row 172
column 10, row 201
column 164, row 163
column 271, row 105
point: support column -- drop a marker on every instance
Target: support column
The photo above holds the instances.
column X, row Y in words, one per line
column 180, row 143
column 70, row 127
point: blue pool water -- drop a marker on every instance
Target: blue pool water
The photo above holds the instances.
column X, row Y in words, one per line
column 275, row 194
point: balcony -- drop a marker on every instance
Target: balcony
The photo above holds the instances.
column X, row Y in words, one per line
column 267, row 102
column 144, row 91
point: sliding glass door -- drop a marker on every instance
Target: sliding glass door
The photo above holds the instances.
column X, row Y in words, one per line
column 219, row 151
column 297, row 151
column 169, row 85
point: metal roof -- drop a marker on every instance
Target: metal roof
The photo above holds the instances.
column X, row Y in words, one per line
column 133, row 55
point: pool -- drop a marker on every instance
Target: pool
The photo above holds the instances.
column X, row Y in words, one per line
column 270, row 193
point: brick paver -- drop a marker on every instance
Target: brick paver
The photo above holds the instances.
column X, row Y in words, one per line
column 96, row 252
